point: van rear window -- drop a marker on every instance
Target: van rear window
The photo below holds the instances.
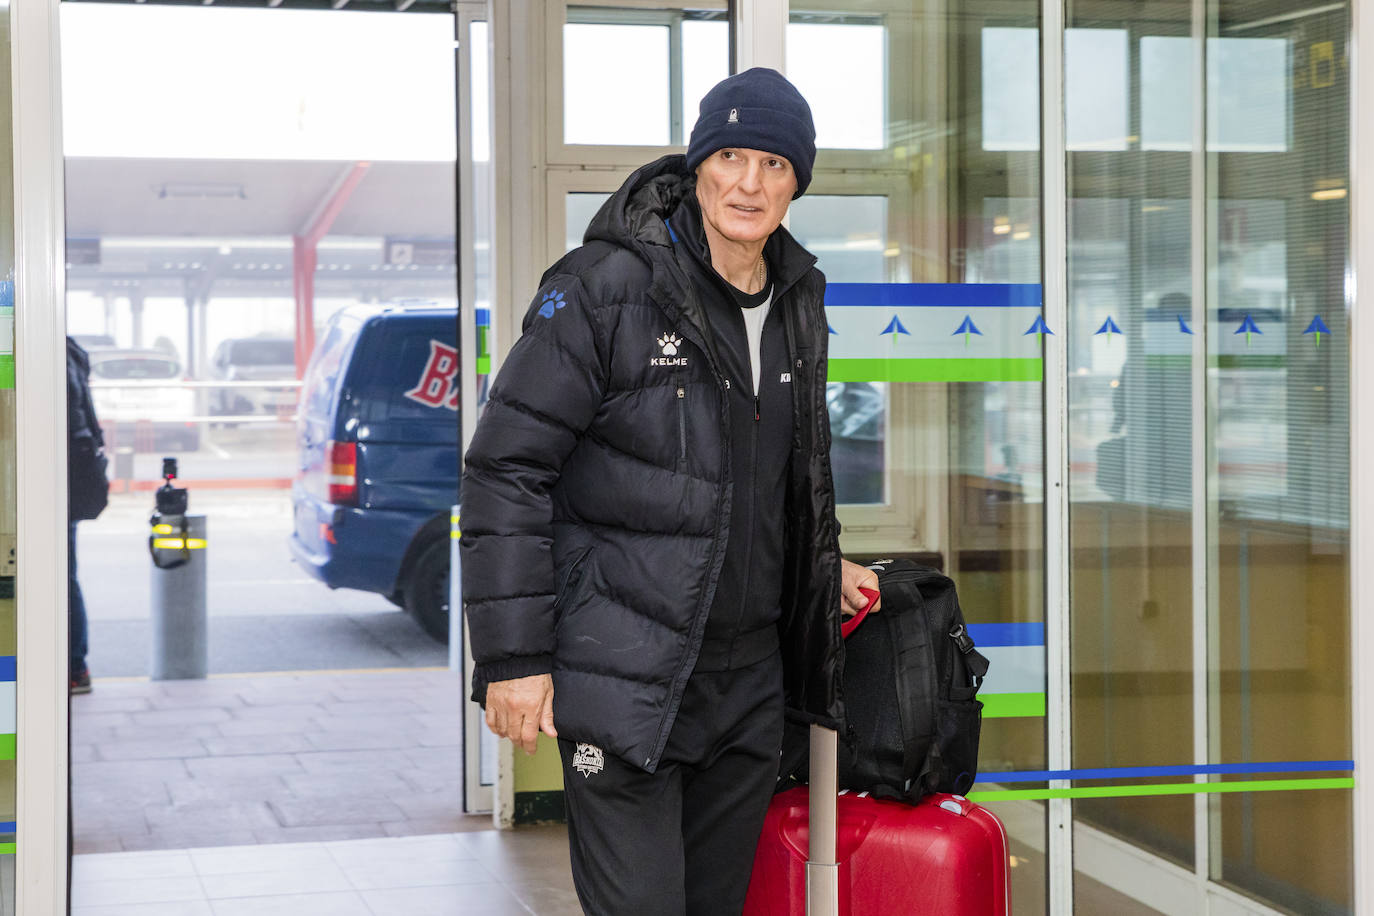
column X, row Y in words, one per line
column 322, row 376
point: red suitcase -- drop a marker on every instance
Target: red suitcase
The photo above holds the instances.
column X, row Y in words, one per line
column 868, row 857
column 945, row 856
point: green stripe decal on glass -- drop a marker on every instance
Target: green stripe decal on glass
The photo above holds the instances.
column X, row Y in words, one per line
column 1012, row 705
column 935, row 370
column 1140, row 791
column 6, row 747
column 6, row 370
column 484, row 365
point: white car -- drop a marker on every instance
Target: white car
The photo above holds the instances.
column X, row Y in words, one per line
column 139, row 400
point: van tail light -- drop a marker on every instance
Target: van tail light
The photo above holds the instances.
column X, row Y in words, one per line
column 343, row 473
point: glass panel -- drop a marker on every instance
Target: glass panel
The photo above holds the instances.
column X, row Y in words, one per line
column 483, row 214
column 1278, row 431
column 187, row 258
column 958, row 481
column 578, row 210
column 597, row 98
column 849, row 113
column 1130, row 433
column 8, row 484
column 1277, row 419
column 848, row 235
column 676, row 55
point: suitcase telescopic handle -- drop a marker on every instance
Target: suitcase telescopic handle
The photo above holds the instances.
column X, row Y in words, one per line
column 822, row 869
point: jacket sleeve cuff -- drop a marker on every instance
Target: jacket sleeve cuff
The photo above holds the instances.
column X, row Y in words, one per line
column 507, row 669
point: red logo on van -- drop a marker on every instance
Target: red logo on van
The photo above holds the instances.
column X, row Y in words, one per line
column 439, row 381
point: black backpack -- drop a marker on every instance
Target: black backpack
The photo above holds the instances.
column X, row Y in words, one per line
column 911, row 676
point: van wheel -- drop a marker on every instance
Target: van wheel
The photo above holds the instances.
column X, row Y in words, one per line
column 426, row 592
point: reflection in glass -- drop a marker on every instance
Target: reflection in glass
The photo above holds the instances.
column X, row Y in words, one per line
column 1279, row 406
column 1249, row 107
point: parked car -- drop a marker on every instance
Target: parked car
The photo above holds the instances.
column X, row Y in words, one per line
column 253, row 359
column 87, row 341
column 140, row 401
column 378, row 475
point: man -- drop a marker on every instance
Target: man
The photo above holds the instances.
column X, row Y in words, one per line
column 87, row 494
column 651, row 562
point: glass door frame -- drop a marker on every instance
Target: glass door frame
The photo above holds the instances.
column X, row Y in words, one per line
column 41, row 395
column 1362, row 445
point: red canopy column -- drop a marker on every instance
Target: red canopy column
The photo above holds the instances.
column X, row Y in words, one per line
column 305, row 258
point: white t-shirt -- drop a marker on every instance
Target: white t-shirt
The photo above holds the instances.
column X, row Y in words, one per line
column 753, row 328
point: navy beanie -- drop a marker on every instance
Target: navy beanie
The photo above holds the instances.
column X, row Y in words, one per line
column 757, row 109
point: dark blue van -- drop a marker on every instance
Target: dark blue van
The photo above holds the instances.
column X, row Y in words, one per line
column 378, row 439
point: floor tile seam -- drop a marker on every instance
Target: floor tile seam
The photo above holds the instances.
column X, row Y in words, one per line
column 215, row 849
column 275, row 893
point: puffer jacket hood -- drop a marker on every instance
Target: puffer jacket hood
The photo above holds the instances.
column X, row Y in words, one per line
column 634, row 215
column 597, row 491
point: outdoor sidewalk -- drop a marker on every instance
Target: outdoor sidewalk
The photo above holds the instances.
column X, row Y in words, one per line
column 267, row 759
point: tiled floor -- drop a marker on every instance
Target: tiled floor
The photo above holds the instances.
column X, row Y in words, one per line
column 323, row 794
column 267, row 759
column 482, row 873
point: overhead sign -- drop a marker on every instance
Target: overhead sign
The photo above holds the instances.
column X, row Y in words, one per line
column 405, row 252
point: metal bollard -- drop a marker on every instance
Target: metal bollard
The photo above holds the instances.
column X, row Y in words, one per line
column 124, row 465
column 180, row 632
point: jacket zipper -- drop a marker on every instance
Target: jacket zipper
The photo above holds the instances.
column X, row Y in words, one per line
column 563, row 597
column 702, row 609
column 753, row 497
column 681, row 427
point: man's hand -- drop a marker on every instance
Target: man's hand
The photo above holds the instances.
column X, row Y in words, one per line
column 521, row 708
column 852, row 578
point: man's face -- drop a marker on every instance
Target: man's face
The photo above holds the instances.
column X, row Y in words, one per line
column 744, row 193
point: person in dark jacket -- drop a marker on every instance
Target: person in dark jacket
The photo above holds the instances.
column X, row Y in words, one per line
column 650, row 554
column 87, row 492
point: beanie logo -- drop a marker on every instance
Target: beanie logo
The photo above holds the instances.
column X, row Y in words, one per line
column 734, row 116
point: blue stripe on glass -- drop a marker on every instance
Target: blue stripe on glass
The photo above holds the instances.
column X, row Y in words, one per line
column 7, row 668
column 484, row 318
column 1284, row 766
column 934, row 295
column 8, row 826
column 988, row 635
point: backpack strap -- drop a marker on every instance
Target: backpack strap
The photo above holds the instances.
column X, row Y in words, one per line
column 974, row 660
column 916, row 691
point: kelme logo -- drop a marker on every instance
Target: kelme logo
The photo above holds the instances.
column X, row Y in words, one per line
column 669, row 344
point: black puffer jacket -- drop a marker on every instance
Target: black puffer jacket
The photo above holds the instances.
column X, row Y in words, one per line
column 596, row 492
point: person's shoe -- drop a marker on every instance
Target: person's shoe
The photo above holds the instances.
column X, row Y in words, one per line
column 81, row 683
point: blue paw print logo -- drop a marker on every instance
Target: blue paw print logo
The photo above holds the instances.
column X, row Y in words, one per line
column 553, row 299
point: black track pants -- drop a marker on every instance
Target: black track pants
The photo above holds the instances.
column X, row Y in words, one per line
column 680, row 840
